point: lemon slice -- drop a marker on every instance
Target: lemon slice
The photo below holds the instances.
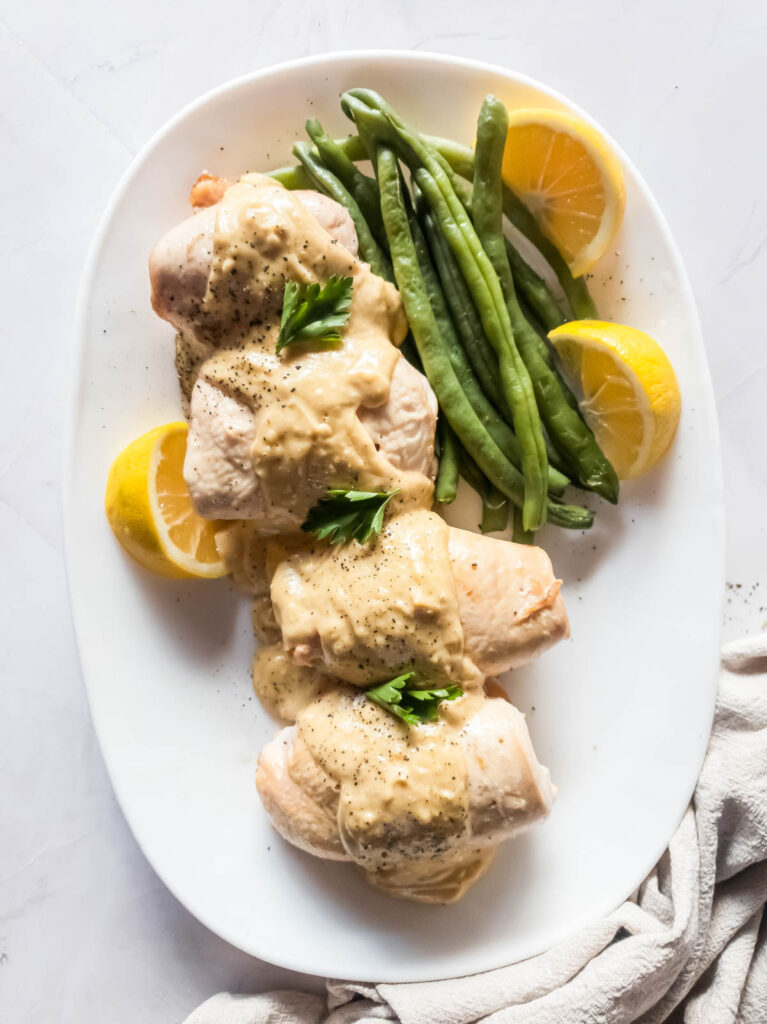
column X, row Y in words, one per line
column 570, row 179
column 631, row 396
column 150, row 511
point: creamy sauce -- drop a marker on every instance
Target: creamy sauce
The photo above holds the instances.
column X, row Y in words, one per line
column 245, row 552
column 283, row 687
column 371, row 611
column 437, row 879
column 403, row 809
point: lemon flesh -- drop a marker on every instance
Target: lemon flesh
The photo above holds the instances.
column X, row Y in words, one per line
column 150, row 511
column 570, row 179
column 631, row 398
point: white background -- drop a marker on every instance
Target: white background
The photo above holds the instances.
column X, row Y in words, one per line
column 87, row 932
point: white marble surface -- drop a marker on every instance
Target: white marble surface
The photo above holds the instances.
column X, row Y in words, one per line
column 87, row 932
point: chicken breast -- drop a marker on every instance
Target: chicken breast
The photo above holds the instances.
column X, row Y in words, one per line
column 299, row 796
column 510, row 603
column 334, row 218
column 178, row 270
column 403, row 427
column 224, row 473
column 179, row 264
column 429, row 590
column 223, row 479
column 365, row 613
column 443, row 842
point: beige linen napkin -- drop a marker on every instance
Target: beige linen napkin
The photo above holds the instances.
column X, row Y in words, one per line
column 690, row 946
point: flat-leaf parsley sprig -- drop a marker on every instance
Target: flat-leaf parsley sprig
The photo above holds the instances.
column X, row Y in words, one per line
column 345, row 515
column 315, row 313
column 413, row 706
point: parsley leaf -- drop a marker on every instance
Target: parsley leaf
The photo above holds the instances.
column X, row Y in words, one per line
column 345, row 515
column 315, row 313
column 414, row 707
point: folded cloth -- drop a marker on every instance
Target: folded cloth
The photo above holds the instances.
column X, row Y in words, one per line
column 690, row 946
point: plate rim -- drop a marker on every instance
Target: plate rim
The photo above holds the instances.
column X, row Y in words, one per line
column 72, row 410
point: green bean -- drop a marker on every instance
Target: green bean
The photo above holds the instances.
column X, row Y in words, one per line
column 475, row 344
column 534, row 289
column 433, row 181
column 529, row 282
column 461, row 159
column 471, row 472
column 564, row 425
column 354, row 147
column 359, row 185
column 465, row 317
column 515, row 381
column 495, row 511
column 519, row 534
column 447, row 475
column 500, row 432
column 495, row 507
column 328, row 183
column 291, row 177
column 529, row 314
column 455, row 405
column 554, row 457
column 532, row 318
column 571, row 517
column 429, row 342
column 575, row 288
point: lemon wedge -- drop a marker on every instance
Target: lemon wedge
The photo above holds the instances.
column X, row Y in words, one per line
column 631, row 396
column 572, row 182
column 150, row 511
